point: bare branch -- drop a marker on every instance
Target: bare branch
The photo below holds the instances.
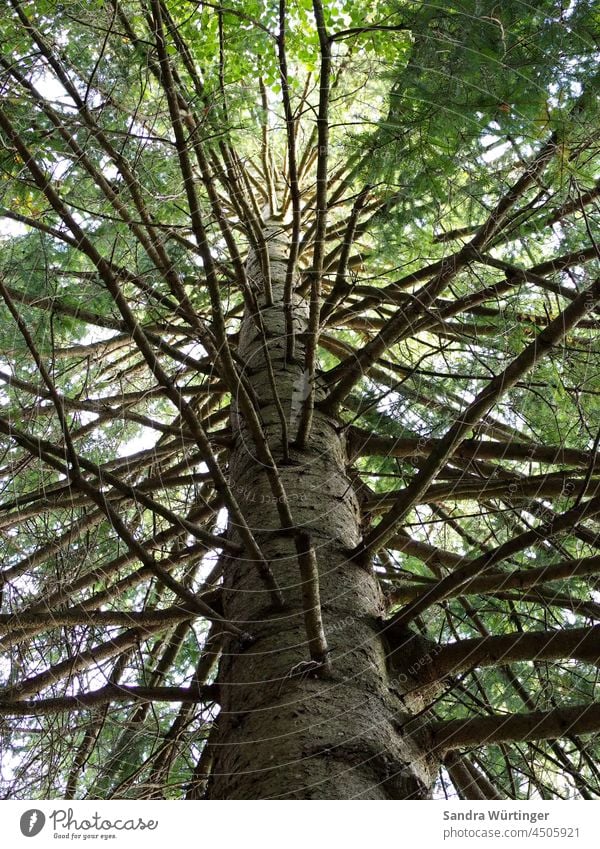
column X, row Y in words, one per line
column 536, row 725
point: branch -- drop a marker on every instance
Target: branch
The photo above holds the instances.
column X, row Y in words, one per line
column 580, row 643
column 78, row 663
column 363, row 443
column 472, row 568
column 340, row 286
column 516, row 727
column 42, row 448
column 512, row 489
column 346, row 33
column 486, row 399
column 106, row 695
column 469, row 782
column 140, row 338
column 312, row 332
column 350, row 371
column 294, row 185
column 517, row 579
column 523, row 579
column 311, row 602
column 83, row 615
column 41, row 611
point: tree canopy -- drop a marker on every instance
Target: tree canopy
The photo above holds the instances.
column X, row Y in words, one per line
column 435, row 167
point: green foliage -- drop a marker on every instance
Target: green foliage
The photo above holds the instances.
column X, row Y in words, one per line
column 441, row 110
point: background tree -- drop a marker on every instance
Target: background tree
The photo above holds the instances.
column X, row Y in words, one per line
column 299, row 406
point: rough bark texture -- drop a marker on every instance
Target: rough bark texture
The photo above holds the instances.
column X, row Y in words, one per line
column 284, row 732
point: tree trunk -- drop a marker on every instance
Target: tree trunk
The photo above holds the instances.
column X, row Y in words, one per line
column 283, row 731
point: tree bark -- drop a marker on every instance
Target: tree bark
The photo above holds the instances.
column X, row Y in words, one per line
column 285, row 729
